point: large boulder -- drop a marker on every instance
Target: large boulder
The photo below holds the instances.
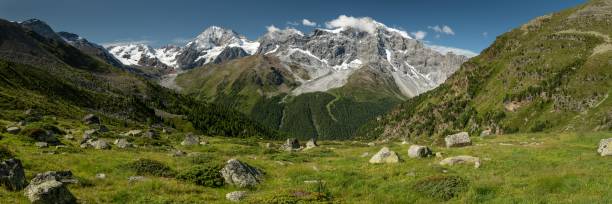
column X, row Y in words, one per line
column 384, row 156
column 13, row 130
column 292, row 144
column 241, row 174
column 96, row 144
column 458, row 140
column 91, row 119
column 50, row 188
column 49, row 192
column 190, row 140
column 236, row 196
column 12, row 175
column 419, row 151
column 605, row 147
column 463, row 159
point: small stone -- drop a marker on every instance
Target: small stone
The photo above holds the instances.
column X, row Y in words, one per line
column 485, row 133
column 292, row 144
column 69, row 137
column 458, row 140
column 133, row 179
column 91, row 119
column 101, row 176
column 122, row 143
column 312, row 143
column 99, row 144
column 13, row 130
column 133, row 133
column 177, row 153
column 41, row 144
column 418, row 151
column 384, row 156
column 371, row 144
column 236, row 196
column 203, row 142
column 439, row 154
column 463, row 159
column 190, row 140
column 365, row 154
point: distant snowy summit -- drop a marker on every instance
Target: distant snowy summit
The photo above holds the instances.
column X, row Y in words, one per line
column 329, row 56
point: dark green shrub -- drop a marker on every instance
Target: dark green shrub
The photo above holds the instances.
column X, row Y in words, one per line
column 148, row 167
column 38, row 134
column 441, row 187
column 5, row 153
column 203, row 175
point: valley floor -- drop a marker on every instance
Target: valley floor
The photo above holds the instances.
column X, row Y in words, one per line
column 521, row 168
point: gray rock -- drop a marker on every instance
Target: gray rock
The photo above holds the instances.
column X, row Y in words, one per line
column 236, row 196
column 49, row 192
column 12, row 175
column 64, row 177
column 292, row 144
column 133, row 179
column 605, row 147
column 133, row 133
column 41, row 144
column 91, row 119
column 122, row 143
column 312, row 143
column 99, row 144
column 384, row 156
column 463, row 159
column 418, row 151
column 13, row 130
column 101, row 176
column 151, row 134
column 177, row 153
column 241, row 174
column 486, row 132
column 190, row 140
column 458, row 140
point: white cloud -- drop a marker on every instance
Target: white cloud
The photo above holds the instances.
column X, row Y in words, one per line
column 307, row 22
column 442, row 29
column 272, row 29
column 485, row 34
column 458, row 51
column 419, row 35
column 126, row 42
column 292, row 23
column 366, row 24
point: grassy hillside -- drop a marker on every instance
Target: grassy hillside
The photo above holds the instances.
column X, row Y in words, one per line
column 551, row 74
column 260, row 87
column 54, row 78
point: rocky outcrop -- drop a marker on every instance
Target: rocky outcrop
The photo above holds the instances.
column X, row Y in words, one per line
column 418, row 151
column 458, row 140
column 12, row 175
column 464, row 159
column 230, row 53
column 241, row 174
column 13, row 130
column 384, row 156
column 122, row 143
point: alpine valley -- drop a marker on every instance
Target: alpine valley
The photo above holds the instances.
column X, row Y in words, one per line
column 352, row 111
column 319, row 85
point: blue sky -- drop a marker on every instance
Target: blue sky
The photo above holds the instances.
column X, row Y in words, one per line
column 474, row 23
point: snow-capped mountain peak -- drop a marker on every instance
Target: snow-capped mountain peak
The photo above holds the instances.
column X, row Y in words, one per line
column 215, row 36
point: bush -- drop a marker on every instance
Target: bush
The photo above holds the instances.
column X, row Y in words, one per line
column 203, row 175
column 5, row 153
column 441, row 187
column 144, row 167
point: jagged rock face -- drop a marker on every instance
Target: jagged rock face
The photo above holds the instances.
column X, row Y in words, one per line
column 90, row 48
column 331, row 56
column 41, row 28
column 230, row 53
